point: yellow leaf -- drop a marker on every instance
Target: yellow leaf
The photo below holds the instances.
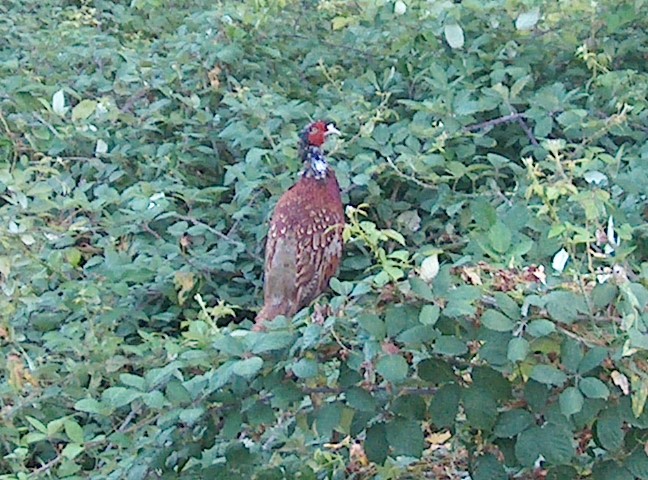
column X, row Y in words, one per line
column 341, row 22
column 184, row 282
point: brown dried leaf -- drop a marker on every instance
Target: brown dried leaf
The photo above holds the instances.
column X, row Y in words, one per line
column 213, row 76
column 471, row 275
column 439, row 439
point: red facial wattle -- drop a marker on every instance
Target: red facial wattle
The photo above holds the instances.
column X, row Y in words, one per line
column 317, row 134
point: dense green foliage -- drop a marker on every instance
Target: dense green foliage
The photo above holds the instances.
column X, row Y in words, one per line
column 142, row 148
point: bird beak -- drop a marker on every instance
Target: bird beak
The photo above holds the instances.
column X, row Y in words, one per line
column 330, row 129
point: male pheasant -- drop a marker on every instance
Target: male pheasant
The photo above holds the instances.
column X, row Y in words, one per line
column 304, row 244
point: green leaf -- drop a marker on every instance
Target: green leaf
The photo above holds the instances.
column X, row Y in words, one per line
column 248, row 367
column 409, row 406
column 518, row 349
column 571, row 401
column 327, row 419
column 55, row 426
column 421, row 288
column 500, row 237
column 637, row 464
column 512, row 422
column 399, row 318
column 305, row 368
column 155, row 400
column 609, row 429
column 435, row 371
column 571, row 354
column 507, row 305
column 565, row 306
column 592, row 359
column 429, row 315
column 360, row 399
column 593, row 388
column 258, row 414
column 373, row 325
column 37, row 424
column 548, row 375
column 177, row 393
column 610, row 470
column 393, row 368
column 480, row 407
column 555, row 443
column 83, row 110
column 450, row 345
column 376, row 446
column 73, row 430
column 134, row 381
column 558, row 444
column 271, row 341
column 445, row 405
column 417, row 335
column 405, row 437
column 116, row 397
column 488, row 467
column 341, row 288
column 541, row 328
column 190, row 416
column 494, row 320
column 90, row 405
column 72, row 450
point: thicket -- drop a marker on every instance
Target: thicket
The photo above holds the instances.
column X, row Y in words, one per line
column 490, row 315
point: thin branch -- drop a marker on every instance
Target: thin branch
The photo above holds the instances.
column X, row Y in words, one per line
column 147, row 228
column 528, row 131
column 47, row 466
column 49, row 126
column 374, row 388
column 129, row 418
column 218, row 233
column 411, row 178
column 211, row 229
column 513, row 117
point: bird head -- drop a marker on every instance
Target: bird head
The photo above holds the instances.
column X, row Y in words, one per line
column 315, row 134
column 311, row 140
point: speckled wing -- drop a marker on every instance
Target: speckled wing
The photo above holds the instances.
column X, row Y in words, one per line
column 319, row 251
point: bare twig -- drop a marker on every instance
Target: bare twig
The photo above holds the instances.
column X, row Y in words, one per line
column 47, row 466
column 148, row 229
column 374, row 388
column 528, row 131
column 218, row 233
column 238, row 221
column 513, row 117
column 211, row 229
column 411, row 178
column 49, row 126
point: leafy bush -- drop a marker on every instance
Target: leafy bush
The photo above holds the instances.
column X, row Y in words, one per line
column 491, row 312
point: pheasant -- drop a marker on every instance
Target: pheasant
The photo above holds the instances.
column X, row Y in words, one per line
column 304, row 244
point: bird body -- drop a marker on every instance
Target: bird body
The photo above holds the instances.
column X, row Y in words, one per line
column 304, row 243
